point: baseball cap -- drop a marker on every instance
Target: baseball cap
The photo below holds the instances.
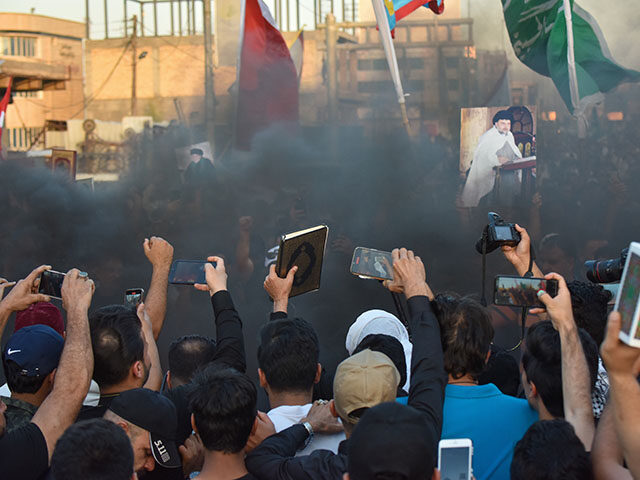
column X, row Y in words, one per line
column 364, row 380
column 40, row 313
column 36, row 348
column 156, row 414
column 392, row 438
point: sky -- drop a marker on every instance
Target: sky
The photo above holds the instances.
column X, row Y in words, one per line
column 618, row 21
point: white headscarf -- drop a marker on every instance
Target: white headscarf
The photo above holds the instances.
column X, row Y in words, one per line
column 375, row 322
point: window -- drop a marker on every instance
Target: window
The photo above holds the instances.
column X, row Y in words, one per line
column 18, row 46
column 22, row 138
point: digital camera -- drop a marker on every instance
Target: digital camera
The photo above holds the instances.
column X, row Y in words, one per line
column 497, row 233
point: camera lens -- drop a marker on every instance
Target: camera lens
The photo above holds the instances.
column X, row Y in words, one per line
column 605, row 271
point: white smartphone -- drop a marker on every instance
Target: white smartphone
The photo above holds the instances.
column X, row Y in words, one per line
column 454, row 459
column 628, row 298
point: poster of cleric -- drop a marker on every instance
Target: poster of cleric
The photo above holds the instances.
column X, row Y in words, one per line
column 497, row 155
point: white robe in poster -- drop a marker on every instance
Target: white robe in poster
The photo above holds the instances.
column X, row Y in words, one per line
column 482, row 176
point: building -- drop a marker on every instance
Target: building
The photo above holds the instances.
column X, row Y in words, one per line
column 44, row 56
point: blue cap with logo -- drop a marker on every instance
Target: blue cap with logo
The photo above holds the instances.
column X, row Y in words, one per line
column 36, row 349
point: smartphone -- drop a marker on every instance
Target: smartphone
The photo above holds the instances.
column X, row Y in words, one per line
column 628, row 298
column 522, row 291
column 370, row 263
column 133, row 297
column 454, row 458
column 51, row 283
column 187, row 272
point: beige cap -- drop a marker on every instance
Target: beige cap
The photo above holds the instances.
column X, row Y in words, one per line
column 364, row 380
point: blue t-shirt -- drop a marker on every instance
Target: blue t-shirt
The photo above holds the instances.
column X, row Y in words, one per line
column 492, row 420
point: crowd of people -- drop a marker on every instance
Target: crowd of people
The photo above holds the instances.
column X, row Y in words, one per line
column 335, row 383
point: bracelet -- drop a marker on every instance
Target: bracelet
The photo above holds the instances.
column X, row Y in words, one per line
column 309, row 429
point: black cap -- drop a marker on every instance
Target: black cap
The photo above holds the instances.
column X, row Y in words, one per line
column 156, row 414
column 503, row 115
column 196, row 151
column 392, row 438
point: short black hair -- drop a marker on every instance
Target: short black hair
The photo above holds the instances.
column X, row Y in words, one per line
column 223, row 403
column 542, row 362
column 97, row 449
column 19, row 383
column 288, row 354
column 550, row 450
column 503, row 115
column 589, row 302
column 467, row 333
column 391, row 347
column 116, row 339
column 189, row 353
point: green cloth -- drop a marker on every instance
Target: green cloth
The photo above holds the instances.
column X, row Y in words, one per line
column 538, row 33
column 18, row 414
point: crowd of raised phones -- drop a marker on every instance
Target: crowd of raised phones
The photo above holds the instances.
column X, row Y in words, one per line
column 87, row 398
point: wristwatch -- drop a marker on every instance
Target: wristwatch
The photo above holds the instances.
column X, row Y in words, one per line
column 309, row 429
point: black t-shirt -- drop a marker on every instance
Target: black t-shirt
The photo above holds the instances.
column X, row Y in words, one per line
column 24, row 454
column 88, row 412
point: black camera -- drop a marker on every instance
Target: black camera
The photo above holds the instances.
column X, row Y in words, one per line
column 497, row 234
column 606, row 271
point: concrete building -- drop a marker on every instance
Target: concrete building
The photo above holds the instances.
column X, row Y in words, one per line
column 44, row 56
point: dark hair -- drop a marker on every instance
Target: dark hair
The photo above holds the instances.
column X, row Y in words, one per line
column 589, row 304
column 466, row 334
column 189, row 353
column 542, row 362
column 550, row 450
column 288, row 354
column 196, row 151
column 503, row 115
column 223, row 403
column 19, row 383
column 116, row 339
column 391, row 347
column 97, row 449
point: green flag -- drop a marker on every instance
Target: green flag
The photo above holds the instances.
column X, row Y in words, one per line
column 538, row 33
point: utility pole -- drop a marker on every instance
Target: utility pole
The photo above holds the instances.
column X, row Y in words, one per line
column 209, row 94
column 332, row 67
column 134, row 62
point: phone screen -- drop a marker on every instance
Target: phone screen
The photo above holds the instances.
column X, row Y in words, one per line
column 629, row 293
column 133, row 297
column 454, row 463
column 522, row 291
column 187, row 272
column 51, row 283
column 372, row 263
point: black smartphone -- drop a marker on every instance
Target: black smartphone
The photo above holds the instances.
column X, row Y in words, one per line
column 187, row 272
column 522, row 291
column 51, row 283
column 370, row 263
column 133, row 297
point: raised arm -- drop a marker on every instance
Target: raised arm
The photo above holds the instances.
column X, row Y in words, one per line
column 576, row 381
column 160, row 255
column 428, row 377
column 22, row 295
column 623, row 367
column 229, row 338
column 73, row 376
column 154, row 380
column 606, row 455
column 279, row 289
column 519, row 255
column 243, row 248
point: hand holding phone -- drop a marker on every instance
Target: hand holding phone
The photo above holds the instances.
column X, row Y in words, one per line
column 559, row 306
column 187, row 272
column 372, row 264
column 133, row 297
column 516, row 291
column 51, row 283
column 454, row 458
column 22, row 295
column 215, row 276
column 628, row 298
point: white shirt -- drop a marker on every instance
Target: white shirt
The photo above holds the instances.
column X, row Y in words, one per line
column 287, row 415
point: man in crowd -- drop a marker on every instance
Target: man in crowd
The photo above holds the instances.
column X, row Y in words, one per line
column 288, row 363
column 96, row 449
column 26, row 451
column 149, row 420
column 186, row 355
column 274, row 457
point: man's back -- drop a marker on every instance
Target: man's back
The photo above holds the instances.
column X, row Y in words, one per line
column 287, row 415
column 493, row 421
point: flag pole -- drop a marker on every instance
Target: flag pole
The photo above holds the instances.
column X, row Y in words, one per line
column 243, row 12
column 573, row 75
column 390, row 53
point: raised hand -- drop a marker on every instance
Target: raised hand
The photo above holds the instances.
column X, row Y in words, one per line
column 216, row 276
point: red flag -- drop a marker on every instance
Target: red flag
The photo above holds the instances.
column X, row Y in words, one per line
column 3, row 108
column 267, row 77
